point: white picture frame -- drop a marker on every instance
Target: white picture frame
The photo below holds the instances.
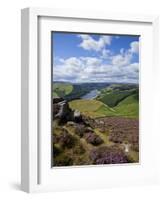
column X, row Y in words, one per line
column 36, row 173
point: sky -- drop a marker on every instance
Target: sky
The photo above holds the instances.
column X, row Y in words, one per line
column 79, row 58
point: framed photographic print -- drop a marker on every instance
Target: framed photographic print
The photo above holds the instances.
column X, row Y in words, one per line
column 95, row 96
column 88, row 96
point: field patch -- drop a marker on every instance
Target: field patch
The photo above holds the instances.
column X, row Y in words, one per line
column 91, row 108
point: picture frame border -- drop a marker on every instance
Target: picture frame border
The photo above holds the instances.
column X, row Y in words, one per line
column 30, row 80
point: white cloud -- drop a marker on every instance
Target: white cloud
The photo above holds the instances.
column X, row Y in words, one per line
column 134, row 47
column 91, row 69
column 89, row 43
column 125, row 56
column 106, row 53
column 91, row 61
column 108, row 67
column 73, row 61
column 121, row 59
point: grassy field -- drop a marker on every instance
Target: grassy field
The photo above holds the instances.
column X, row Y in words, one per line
column 85, row 105
column 93, row 108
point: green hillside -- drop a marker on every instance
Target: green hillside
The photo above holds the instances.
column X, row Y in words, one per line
column 92, row 108
column 128, row 107
column 113, row 97
column 107, row 129
column 116, row 100
column 61, row 89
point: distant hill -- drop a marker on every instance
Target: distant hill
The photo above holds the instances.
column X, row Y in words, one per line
column 61, row 89
column 115, row 100
column 70, row 91
column 114, row 94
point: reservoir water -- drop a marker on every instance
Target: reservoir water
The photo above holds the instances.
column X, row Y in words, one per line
column 91, row 95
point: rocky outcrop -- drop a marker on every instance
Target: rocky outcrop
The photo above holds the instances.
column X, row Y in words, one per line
column 63, row 113
column 57, row 100
column 77, row 116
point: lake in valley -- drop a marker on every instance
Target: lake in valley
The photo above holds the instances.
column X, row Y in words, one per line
column 91, row 95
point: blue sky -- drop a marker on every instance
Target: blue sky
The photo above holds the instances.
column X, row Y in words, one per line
column 95, row 57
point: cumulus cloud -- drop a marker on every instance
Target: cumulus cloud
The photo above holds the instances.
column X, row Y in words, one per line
column 125, row 56
column 134, row 47
column 92, row 69
column 89, row 43
column 121, row 59
column 91, row 61
column 107, row 67
column 106, row 54
column 72, row 61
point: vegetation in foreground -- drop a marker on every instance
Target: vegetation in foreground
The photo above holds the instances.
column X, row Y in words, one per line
column 104, row 130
